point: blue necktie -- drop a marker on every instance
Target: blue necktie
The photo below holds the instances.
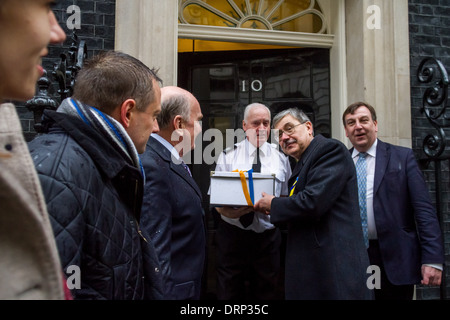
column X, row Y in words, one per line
column 361, row 173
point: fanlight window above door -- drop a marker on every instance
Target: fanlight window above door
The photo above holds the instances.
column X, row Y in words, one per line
column 280, row 15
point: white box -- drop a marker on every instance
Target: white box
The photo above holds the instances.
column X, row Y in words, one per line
column 226, row 188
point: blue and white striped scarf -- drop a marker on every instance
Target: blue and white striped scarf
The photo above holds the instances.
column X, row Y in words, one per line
column 109, row 127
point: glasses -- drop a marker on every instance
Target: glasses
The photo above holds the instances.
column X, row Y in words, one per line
column 288, row 129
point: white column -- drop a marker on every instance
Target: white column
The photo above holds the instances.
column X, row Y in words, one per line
column 335, row 11
column 378, row 63
column 148, row 30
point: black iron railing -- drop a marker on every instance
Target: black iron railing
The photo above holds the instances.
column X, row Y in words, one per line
column 435, row 107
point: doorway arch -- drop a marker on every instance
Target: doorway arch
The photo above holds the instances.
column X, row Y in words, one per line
column 332, row 32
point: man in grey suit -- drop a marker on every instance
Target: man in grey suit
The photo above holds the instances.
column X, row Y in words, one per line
column 172, row 211
column 325, row 254
column 404, row 235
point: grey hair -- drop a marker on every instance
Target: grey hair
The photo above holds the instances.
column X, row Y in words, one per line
column 254, row 105
column 172, row 106
column 294, row 112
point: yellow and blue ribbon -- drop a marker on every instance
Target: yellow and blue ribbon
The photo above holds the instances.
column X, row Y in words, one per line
column 248, row 190
column 293, row 188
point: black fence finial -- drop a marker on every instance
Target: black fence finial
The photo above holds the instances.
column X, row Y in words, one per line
column 64, row 73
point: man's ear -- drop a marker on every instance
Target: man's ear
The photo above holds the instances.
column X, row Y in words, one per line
column 178, row 122
column 126, row 110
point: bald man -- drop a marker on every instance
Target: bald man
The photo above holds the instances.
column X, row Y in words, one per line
column 172, row 211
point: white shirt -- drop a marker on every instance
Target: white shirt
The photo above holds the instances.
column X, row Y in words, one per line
column 241, row 157
column 370, row 159
column 175, row 155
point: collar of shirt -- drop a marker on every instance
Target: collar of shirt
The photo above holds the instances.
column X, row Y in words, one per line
column 252, row 149
column 371, row 152
column 171, row 148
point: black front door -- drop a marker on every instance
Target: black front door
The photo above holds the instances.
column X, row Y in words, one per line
column 226, row 82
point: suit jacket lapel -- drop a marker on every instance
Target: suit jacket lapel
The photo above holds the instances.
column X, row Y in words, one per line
column 306, row 154
column 165, row 154
column 380, row 164
column 182, row 172
column 295, row 172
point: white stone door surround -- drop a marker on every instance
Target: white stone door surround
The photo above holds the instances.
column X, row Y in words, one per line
column 368, row 41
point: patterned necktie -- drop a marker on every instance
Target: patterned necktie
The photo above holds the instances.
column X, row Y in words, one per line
column 247, row 219
column 361, row 173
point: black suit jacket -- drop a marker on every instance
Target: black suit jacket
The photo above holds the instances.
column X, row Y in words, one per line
column 407, row 225
column 173, row 216
column 325, row 256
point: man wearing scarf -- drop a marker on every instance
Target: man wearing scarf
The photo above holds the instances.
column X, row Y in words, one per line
column 90, row 170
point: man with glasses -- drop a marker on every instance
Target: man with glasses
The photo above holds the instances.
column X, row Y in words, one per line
column 248, row 245
column 325, row 255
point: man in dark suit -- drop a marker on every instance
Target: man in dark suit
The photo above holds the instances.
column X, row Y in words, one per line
column 172, row 210
column 325, row 254
column 402, row 226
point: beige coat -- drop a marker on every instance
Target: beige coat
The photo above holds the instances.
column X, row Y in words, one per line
column 29, row 263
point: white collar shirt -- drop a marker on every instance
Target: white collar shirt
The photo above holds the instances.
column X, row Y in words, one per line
column 175, row 155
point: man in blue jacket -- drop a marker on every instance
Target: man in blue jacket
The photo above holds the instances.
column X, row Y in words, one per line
column 92, row 178
column 172, row 211
column 403, row 229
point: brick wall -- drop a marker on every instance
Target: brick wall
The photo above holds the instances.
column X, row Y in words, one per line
column 97, row 30
column 430, row 37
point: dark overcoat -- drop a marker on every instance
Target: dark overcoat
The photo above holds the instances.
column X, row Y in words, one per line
column 94, row 196
column 326, row 258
